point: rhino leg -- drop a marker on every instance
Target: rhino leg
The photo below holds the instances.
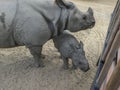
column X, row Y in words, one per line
column 73, row 66
column 36, row 52
column 42, row 56
column 65, row 63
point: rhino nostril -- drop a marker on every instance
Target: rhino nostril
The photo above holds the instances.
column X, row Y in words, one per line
column 93, row 22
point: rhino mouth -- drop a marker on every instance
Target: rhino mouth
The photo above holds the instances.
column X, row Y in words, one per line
column 87, row 26
column 84, row 27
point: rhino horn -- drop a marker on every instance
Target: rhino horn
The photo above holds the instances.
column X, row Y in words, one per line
column 63, row 3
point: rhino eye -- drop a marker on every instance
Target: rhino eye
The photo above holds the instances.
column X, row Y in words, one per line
column 77, row 47
column 84, row 17
column 80, row 63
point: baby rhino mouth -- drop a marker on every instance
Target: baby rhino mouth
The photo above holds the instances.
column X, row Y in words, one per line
column 85, row 69
column 91, row 26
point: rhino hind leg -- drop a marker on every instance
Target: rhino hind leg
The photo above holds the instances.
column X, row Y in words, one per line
column 36, row 52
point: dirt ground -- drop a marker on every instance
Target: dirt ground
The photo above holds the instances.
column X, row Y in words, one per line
column 18, row 73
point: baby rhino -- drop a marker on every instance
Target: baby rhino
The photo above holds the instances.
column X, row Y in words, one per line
column 69, row 47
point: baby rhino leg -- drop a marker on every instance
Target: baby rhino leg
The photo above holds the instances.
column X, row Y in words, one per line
column 65, row 63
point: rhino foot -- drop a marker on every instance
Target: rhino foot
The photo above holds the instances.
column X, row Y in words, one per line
column 36, row 52
column 65, row 67
column 42, row 56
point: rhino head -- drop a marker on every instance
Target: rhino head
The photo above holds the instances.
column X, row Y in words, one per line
column 77, row 20
column 80, row 21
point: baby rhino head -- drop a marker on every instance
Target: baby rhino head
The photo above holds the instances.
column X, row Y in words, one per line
column 79, row 59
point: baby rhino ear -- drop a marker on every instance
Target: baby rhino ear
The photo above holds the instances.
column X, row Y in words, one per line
column 81, row 44
column 90, row 11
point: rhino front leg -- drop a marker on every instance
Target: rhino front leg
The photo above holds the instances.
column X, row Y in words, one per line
column 36, row 52
column 73, row 66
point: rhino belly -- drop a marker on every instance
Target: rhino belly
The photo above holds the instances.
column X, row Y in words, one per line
column 32, row 30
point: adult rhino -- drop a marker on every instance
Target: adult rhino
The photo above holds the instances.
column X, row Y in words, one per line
column 33, row 22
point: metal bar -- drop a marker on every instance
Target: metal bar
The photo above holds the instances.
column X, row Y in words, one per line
column 115, row 29
column 114, row 81
column 94, row 85
column 114, row 17
column 109, row 59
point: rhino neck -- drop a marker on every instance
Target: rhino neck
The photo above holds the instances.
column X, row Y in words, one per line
column 6, row 23
column 62, row 23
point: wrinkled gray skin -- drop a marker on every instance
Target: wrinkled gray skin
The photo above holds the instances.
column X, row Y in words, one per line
column 22, row 22
column 70, row 48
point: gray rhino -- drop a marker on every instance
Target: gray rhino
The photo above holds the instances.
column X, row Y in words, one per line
column 70, row 48
column 33, row 22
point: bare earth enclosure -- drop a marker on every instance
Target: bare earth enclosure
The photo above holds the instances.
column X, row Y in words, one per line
column 18, row 73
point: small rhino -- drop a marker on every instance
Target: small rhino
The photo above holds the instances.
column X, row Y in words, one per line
column 69, row 47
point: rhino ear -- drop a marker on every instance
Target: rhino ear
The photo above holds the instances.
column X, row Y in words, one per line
column 90, row 11
column 63, row 3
